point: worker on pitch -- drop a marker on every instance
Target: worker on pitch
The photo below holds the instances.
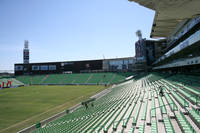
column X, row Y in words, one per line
column 161, row 91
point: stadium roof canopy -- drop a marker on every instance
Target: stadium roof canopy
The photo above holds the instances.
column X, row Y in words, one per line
column 169, row 13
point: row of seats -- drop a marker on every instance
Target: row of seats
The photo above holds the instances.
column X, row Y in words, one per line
column 195, row 115
column 153, row 112
column 168, row 125
column 189, row 93
column 179, row 94
column 184, row 124
column 154, row 126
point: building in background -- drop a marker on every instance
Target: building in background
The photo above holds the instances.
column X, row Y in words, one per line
column 119, row 64
column 140, row 47
column 85, row 66
column 147, row 52
column 178, row 22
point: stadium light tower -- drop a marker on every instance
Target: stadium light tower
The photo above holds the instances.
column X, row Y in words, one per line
column 26, row 52
column 139, row 34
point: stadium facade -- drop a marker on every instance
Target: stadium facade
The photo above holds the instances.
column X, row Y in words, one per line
column 176, row 27
column 183, row 48
column 101, row 65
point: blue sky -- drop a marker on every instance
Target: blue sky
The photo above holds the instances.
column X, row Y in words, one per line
column 64, row 30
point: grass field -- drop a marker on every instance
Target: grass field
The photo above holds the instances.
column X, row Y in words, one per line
column 23, row 106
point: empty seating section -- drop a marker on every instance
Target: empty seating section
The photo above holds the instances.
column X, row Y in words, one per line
column 145, row 109
column 141, row 128
column 193, row 90
column 180, row 99
column 195, row 115
column 133, row 106
column 82, row 78
column 184, row 124
column 131, row 130
column 68, row 79
column 171, row 103
column 168, row 125
column 24, row 79
column 37, row 79
column 117, row 78
column 136, row 114
column 96, row 78
column 77, row 78
column 52, row 79
column 153, row 111
column 162, row 105
column 189, row 93
column 193, row 98
column 186, row 80
column 154, row 127
column 154, row 77
column 125, row 122
column 107, row 78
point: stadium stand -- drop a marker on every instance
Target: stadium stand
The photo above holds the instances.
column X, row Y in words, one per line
column 77, row 78
column 14, row 82
column 52, row 79
column 24, row 79
column 127, row 107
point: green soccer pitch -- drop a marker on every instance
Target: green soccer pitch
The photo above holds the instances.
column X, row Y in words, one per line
column 23, row 106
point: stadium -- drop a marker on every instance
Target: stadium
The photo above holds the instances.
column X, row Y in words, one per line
column 158, row 90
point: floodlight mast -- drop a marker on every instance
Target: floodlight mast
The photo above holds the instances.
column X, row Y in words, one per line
column 26, row 44
column 26, row 52
column 139, row 34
